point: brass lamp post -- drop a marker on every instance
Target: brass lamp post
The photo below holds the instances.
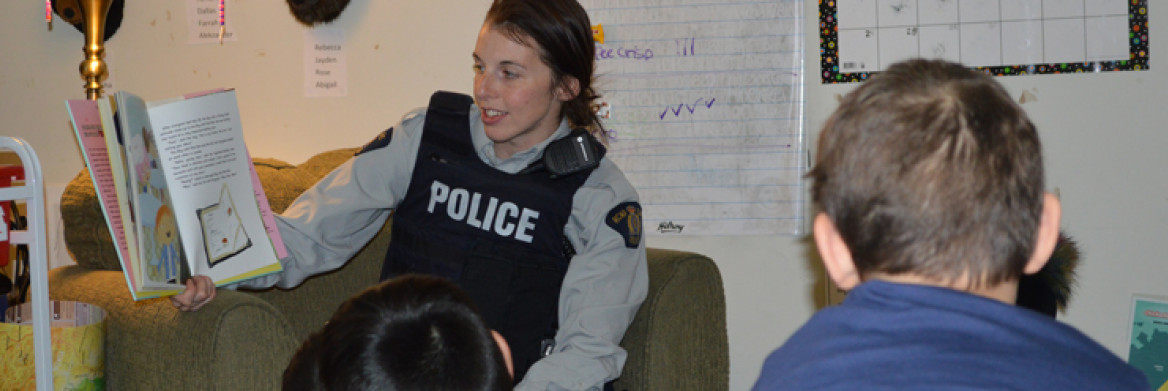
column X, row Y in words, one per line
column 93, row 69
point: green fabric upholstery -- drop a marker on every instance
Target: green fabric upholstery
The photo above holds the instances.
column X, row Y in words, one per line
column 234, row 343
column 86, row 234
column 243, row 340
column 678, row 338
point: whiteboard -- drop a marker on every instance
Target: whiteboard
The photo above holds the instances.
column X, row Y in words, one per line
column 703, row 103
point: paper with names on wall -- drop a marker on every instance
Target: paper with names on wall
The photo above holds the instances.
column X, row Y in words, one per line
column 326, row 72
column 204, row 22
column 702, row 101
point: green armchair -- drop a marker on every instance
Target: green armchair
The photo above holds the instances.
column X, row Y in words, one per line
column 243, row 339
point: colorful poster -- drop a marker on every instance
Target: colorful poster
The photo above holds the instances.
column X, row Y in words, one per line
column 1149, row 339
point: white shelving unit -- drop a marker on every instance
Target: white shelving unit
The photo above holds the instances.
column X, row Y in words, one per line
column 33, row 194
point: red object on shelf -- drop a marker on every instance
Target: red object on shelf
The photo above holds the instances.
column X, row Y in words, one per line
column 8, row 174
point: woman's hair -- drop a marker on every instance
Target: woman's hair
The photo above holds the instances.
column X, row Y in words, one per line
column 412, row 332
column 561, row 32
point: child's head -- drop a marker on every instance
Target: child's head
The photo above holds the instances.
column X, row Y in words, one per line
column 412, row 332
column 930, row 169
column 165, row 227
column 562, row 34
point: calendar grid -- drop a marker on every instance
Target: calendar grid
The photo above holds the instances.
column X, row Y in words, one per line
column 1000, row 37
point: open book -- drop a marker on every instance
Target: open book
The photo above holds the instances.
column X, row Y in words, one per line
column 178, row 190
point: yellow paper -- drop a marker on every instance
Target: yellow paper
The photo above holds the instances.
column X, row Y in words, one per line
column 78, row 355
column 598, row 33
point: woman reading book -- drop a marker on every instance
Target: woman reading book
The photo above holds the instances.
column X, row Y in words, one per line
column 500, row 194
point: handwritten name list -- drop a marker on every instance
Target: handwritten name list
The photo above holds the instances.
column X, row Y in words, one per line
column 203, row 23
column 325, row 68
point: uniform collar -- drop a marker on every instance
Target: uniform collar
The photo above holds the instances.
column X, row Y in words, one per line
column 486, row 148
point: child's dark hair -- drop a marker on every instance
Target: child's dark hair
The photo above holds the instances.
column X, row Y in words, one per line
column 930, row 168
column 412, row 332
column 562, row 33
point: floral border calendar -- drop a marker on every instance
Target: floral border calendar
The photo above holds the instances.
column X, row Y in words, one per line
column 1018, row 37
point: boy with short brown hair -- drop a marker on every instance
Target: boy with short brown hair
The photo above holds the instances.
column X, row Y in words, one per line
column 930, row 180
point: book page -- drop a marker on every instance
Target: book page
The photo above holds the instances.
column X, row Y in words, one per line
column 261, row 198
column 91, row 136
column 201, row 148
column 117, row 158
column 159, row 242
column 266, row 212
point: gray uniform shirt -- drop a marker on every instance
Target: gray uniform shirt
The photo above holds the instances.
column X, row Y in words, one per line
column 602, row 290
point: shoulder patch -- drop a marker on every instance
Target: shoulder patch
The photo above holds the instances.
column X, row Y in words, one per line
column 625, row 219
column 378, row 142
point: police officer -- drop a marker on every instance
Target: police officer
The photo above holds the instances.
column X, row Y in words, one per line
column 480, row 194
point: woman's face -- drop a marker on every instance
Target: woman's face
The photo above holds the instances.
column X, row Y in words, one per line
column 514, row 91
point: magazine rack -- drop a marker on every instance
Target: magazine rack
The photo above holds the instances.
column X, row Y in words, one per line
column 33, row 194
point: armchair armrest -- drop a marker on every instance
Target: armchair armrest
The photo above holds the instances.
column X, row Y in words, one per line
column 150, row 345
column 678, row 339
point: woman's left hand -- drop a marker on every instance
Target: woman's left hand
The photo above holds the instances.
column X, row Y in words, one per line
column 200, row 291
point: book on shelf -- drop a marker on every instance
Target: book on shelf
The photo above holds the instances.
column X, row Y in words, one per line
column 178, row 189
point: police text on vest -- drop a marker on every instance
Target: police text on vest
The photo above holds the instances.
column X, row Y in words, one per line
column 505, row 219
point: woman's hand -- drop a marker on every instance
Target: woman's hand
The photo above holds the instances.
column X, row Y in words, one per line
column 200, row 291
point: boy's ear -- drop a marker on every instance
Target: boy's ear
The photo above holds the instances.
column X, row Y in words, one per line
column 1048, row 232
column 837, row 258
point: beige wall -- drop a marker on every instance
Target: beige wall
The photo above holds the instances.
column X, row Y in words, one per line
column 1104, row 136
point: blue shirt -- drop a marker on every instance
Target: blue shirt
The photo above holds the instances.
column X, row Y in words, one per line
column 889, row 336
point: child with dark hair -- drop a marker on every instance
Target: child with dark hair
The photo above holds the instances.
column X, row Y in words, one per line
column 930, row 181
column 412, row 332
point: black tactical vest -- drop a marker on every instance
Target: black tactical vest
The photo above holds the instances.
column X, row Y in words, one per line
column 499, row 236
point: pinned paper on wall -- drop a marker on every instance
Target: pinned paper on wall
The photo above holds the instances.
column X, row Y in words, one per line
column 326, row 72
column 1017, row 37
column 702, row 103
column 1149, row 338
column 204, row 23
